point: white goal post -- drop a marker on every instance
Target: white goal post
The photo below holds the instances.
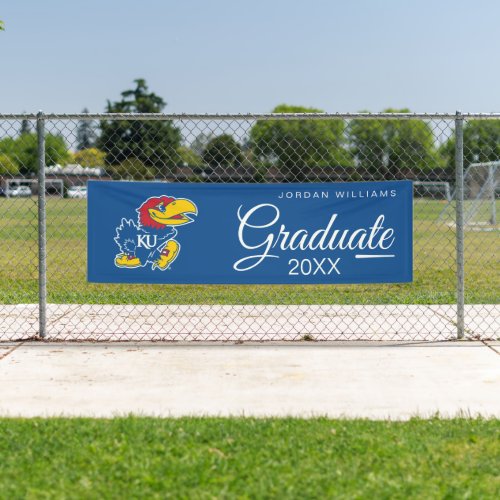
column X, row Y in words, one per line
column 481, row 183
column 437, row 190
column 481, row 190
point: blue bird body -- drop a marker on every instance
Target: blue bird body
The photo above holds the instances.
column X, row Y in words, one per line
column 146, row 244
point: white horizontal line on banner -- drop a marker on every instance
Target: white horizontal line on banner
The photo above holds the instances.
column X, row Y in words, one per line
column 364, row 256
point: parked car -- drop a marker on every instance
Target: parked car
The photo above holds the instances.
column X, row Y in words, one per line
column 19, row 191
column 77, row 192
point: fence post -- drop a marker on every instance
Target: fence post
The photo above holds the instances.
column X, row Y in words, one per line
column 42, row 228
column 459, row 200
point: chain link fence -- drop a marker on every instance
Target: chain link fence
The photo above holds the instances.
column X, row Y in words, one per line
column 46, row 161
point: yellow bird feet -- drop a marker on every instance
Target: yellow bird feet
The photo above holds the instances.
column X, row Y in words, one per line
column 124, row 260
column 168, row 255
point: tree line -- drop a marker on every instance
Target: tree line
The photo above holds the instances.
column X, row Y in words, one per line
column 293, row 148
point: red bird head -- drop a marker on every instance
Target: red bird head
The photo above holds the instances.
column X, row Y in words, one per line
column 164, row 211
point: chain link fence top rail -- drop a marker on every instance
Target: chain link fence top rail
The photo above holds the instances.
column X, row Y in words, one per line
column 261, row 148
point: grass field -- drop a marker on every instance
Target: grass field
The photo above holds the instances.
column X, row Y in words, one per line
column 434, row 267
column 249, row 458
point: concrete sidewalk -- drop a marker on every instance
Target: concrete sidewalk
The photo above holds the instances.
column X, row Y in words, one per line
column 376, row 381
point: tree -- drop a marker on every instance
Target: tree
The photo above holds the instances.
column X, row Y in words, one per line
column 200, row 142
column 91, row 157
column 7, row 165
column 25, row 127
column 86, row 134
column 296, row 145
column 481, row 143
column 223, row 151
column 23, row 150
column 153, row 143
column 189, row 157
column 131, row 169
column 2, row 26
column 369, row 144
column 56, row 150
column 389, row 148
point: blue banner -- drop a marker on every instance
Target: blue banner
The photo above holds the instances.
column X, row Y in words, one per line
column 152, row 232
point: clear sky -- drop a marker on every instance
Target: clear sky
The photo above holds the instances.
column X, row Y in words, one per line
column 249, row 56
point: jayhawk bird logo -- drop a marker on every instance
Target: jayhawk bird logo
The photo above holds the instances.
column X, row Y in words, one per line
column 152, row 240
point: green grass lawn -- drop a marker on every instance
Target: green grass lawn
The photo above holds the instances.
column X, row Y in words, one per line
column 249, row 458
column 434, row 267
